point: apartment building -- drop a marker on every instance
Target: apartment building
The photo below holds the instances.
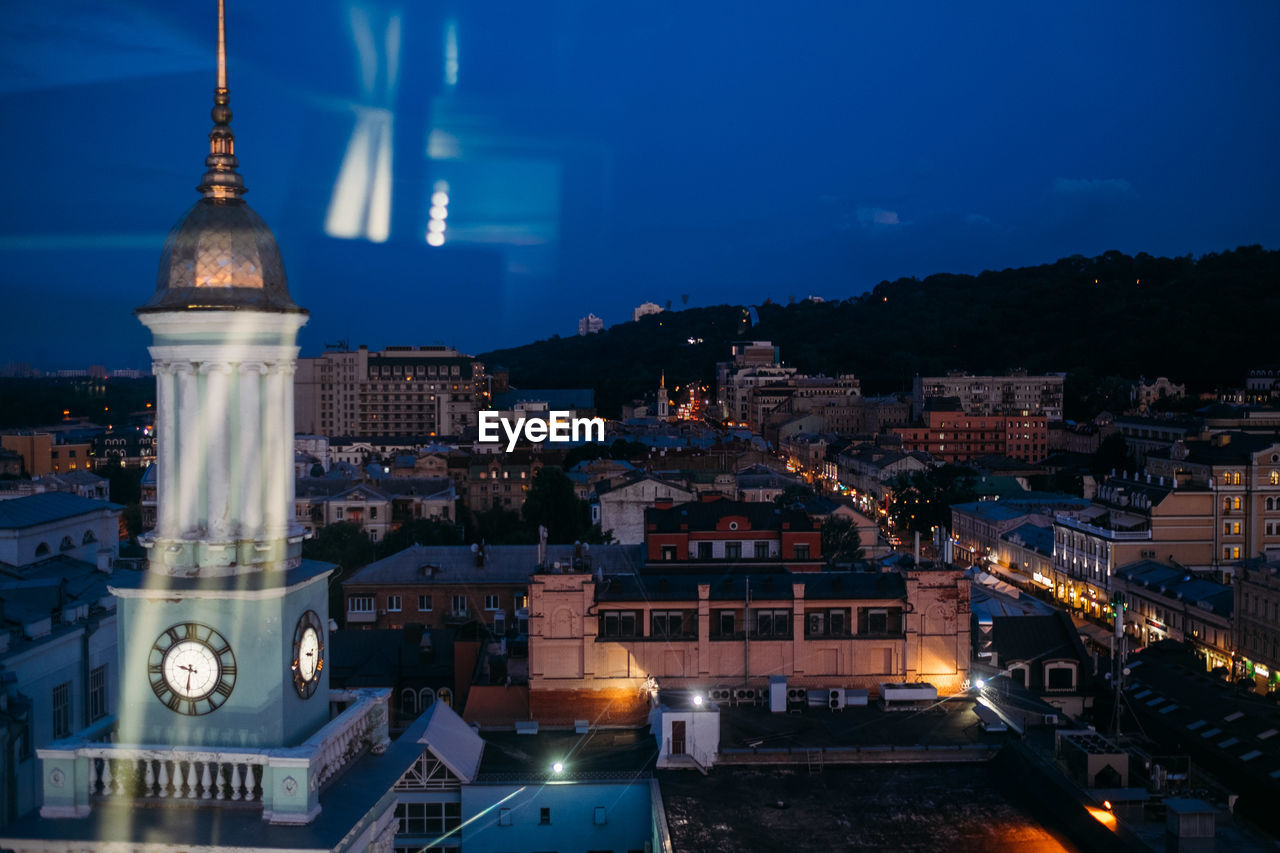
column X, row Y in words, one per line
column 1129, row 520
column 1257, row 620
column 400, row 391
column 440, row 586
column 949, row 434
column 1015, row 392
column 1163, row 602
column 598, row 643
column 715, row 530
column 1243, row 470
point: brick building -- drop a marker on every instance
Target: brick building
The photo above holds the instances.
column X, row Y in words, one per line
column 1257, row 619
column 438, row 586
column 948, row 434
column 597, row 645
column 715, row 530
column 402, row 390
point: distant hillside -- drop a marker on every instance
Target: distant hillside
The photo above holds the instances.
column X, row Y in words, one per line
column 1203, row 321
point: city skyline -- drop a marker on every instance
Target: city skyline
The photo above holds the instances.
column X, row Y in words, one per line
column 838, row 148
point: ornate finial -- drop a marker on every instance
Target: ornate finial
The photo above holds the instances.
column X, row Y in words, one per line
column 222, row 180
column 662, row 382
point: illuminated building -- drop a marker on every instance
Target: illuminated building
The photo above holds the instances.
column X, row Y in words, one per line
column 590, row 325
column 951, row 435
column 985, row 395
column 400, row 391
column 644, row 309
column 1257, row 619
column 596, row 642
column 226, row 735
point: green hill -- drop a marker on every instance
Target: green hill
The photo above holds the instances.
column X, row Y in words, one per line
column 1204, row 321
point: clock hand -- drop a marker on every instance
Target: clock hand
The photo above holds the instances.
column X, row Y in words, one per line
column 190, row 671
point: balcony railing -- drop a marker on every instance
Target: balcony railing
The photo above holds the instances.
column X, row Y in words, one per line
column 1113, row 535
column 88, row 768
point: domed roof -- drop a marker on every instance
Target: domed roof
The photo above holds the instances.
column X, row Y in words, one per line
column 221, row 255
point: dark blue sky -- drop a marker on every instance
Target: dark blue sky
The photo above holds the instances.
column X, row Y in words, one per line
column 598, row 155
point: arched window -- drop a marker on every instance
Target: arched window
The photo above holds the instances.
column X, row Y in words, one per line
column 408, row 702
column 426, row 698
column 1235, row 479
column 42, row 549
column 89, row 538
column 1271, row 504
column 1275, row 478
column 446, row 696
column 67, row 544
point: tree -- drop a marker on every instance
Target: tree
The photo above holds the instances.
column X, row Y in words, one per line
column 1112, row 455
column 344, row 543
column 922, row 500
column 552, row 503
column 840, row 540
column 420, row 531
column 793, row 495
column 499, row 526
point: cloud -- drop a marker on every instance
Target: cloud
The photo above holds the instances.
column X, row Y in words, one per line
column 1093, row 188
column 877, row 216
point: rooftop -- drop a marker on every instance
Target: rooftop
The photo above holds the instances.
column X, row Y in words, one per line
column 732, row 585
column 442, row 564
column 705, row 515
column 1180, row 584
column 597, row 754
column 853, row 809
column 47, row 507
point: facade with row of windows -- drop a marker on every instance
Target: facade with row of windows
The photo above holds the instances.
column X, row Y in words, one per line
column 1016, row 392
column 1129, row 520
column 1257, row 619
column 718, row 530
column 57, row 631
column 955, row 436
column 402, row 390
column 595, row 643
column 437, row 586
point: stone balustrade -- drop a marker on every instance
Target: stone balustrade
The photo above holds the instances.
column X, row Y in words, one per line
column 284, row 782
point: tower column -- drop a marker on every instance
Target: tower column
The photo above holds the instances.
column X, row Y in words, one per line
column 287, row 370
column 217, row 405
column 190, row 473
column 273, row 442
column 166, row 451
column 248, row 468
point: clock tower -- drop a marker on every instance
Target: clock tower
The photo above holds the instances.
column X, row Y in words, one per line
column 222, row 638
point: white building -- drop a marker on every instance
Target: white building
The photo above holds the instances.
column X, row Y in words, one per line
column 644, row 309
column 622, row 506
column 985, row 395
column 590, row 324
column 57, row 631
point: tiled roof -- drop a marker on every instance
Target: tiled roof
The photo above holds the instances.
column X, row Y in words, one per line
column 47, row 507
column 703, row 515
column 502, row 563
column 732, row 585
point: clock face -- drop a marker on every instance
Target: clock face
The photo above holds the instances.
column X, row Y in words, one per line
column 308, row 654
column 192, row 669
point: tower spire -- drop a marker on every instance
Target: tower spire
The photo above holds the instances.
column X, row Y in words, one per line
column 222, row 180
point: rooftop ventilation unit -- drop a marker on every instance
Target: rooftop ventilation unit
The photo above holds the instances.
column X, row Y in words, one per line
column 720, row 695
